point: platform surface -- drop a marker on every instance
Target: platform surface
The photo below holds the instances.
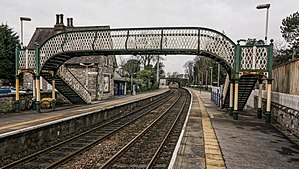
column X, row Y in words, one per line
column 247, row 143
column 17, row 121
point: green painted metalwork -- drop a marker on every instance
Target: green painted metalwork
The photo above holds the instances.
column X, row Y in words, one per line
column 270, row 59
column 65, row 38
column 254, row 58
column 235, row 115
column 237, row 61
column 198, row 38
column 156, row 40
column 17, row 106
column 161, row 42
column 95, row 38
column 37, row 61
column 17, row 53
column 126, row 43
column 168, row 40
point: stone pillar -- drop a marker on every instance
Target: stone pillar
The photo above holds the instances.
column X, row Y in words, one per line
column 17, row 95
column 260, row 96
column 268, row 106
column 37, row 94
column 231, row 97
column 235, row 112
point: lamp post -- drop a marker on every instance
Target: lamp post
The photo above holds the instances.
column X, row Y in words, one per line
column 86, row 65
column 265, row 6
column 23, row 19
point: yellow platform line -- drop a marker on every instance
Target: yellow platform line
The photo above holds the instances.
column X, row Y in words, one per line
column 59, row 115
column 213, row 155
column 99, row 107
column 46, row 118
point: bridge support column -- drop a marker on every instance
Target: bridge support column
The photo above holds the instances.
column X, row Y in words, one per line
column 37, row 103
column 17, row 95
column 259, row 103
column 268, row 106
column 34, row 91
column 231, row 98
column 236, row 97
column 53, row 91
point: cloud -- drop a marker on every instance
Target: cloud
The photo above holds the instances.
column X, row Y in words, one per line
column 239, row 19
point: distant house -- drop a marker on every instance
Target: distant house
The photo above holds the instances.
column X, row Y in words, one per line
column 96, row 73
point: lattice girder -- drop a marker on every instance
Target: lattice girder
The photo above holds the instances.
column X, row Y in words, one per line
column 27, row 59
column 143, row 40
column 254, row 58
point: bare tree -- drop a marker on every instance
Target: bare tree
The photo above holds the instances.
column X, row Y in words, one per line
column 189, row 69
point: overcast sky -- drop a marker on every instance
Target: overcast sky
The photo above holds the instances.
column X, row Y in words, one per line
column 237, row 18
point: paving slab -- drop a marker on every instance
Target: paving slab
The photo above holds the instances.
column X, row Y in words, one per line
column 250, row 143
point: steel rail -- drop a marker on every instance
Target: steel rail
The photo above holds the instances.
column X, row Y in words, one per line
column 108, row 163
column 150, row 164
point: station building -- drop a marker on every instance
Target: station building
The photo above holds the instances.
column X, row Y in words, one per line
column 96, row 73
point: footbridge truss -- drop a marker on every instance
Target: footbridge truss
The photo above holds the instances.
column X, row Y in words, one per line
column 48, row 58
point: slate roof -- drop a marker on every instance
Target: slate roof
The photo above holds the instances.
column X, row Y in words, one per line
column 42, row 34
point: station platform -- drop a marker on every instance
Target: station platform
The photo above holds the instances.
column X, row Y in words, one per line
column 13, row 122
column 212, row 139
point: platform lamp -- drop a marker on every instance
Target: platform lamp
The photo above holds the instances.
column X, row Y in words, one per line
column 23, row 19
column 265, row 6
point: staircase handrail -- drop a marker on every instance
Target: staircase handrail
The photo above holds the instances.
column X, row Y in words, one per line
column 74, row 83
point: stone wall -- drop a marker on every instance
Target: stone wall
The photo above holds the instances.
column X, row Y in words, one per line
column 7, row 101
column 284, row 109
column 95, row 79
column 286, row 79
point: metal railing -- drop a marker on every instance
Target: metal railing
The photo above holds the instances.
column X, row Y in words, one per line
column 73, row 82
column 216, row 95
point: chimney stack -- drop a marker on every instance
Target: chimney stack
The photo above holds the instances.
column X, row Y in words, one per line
column 57, row 19
column 68, row 22
column 71, row 21
column 61, row 19
column 59, row 26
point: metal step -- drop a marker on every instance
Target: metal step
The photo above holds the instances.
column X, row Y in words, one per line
column 246, row 85
column 63, row 88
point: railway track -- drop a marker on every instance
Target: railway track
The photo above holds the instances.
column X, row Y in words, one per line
column 153, row 147
column 64, row 151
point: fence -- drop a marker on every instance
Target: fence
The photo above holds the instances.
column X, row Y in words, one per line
column 216, row 95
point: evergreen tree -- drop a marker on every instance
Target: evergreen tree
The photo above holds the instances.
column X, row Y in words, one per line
column 8, row 41
column 290, row 32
